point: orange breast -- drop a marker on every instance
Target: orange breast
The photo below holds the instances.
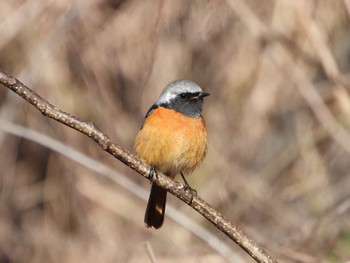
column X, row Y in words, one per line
column 172, row 142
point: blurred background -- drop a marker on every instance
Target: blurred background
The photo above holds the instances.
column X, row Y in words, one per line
column 278, row 122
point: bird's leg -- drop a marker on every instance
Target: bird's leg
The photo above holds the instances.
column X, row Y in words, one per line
column 188, row 188
column 152, row 174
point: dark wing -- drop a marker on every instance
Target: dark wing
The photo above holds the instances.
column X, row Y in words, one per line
column 153, row 107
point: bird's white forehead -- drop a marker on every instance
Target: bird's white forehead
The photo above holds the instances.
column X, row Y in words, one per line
column 177, row 87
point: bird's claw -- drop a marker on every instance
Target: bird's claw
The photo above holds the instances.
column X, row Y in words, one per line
column 188, row 188
column 152, row 174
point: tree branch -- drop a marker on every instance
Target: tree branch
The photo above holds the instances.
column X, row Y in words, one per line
column 175, row 188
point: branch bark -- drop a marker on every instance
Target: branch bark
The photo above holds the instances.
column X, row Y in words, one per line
column 175, row 188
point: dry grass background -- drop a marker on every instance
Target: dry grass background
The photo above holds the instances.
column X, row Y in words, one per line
column 278, row 122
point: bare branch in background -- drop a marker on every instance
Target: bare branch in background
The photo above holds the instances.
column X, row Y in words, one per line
column 90, row 129
column 120, row 179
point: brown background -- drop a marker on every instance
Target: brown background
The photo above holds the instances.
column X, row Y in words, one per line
column 278, row 117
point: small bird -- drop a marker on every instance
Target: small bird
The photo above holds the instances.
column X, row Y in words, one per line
column 172, row 140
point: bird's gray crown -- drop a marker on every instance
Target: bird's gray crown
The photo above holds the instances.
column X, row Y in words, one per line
column 177, row 87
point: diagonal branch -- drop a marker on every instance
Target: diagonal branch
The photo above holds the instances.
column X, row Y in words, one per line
column 90, row 129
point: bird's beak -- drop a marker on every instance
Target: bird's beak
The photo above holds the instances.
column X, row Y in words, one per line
column 200, row 95
column 203, row 94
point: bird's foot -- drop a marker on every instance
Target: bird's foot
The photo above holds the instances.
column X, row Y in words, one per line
column 188, row 188
column 152, row 174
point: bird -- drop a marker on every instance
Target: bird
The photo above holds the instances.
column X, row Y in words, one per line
column 173, row 140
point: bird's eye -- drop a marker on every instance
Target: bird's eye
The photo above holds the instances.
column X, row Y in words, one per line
column 183, row 96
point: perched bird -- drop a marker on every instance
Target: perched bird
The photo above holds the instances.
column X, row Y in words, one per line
column 172, row 140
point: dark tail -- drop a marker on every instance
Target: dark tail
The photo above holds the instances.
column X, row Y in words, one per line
column 155, row 210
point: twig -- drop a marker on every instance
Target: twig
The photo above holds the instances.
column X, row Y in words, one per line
column 23, row 15
column 155, row 42
column 120, row 179
column 281, row 56
column 150, row 253
column 347, row 6
column 90, row 129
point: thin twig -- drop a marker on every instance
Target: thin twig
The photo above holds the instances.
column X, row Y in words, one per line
column 120, row 179
column 281, row 56
column 150, row 252
column 90, row 129
column 155, row 42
